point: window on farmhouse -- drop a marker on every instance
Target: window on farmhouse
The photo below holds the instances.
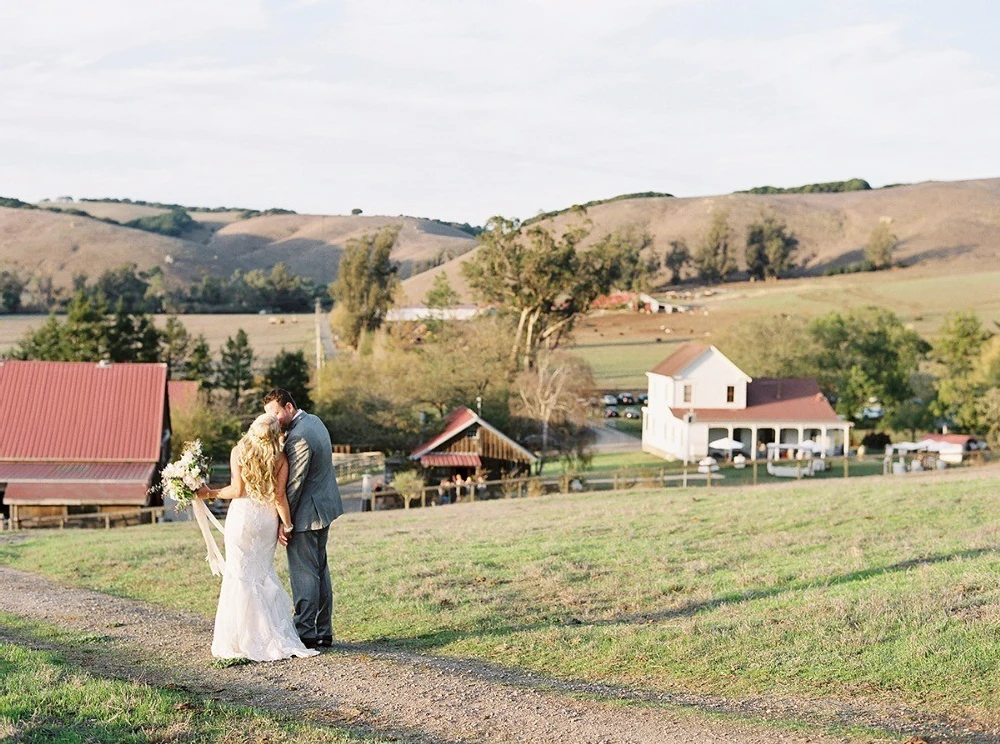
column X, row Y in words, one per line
column 730, row 394
column 687, row 393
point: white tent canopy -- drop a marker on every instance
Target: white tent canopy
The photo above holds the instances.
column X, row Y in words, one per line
column 726, row 443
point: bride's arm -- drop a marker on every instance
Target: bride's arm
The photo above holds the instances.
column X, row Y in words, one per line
column 281, row 495
column 235, row 488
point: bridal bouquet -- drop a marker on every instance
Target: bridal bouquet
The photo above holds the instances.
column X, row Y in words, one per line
column 180, row 480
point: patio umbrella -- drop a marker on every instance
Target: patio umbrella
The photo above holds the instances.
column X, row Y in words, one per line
column 726, row 443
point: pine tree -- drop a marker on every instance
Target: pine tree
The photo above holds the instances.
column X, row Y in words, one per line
column 290, row 371
column 234, row 370
column 199, row 365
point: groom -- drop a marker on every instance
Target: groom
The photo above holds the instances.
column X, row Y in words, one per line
column 314, row 500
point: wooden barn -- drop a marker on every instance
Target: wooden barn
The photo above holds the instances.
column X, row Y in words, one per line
column 469, row 446
column 81, row 437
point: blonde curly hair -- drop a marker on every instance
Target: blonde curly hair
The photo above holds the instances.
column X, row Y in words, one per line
column 258, row 454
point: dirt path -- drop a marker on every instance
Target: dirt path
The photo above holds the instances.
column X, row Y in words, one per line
column 416, row 698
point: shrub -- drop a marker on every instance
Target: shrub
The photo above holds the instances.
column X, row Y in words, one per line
column 171, row 223
column 876, row 441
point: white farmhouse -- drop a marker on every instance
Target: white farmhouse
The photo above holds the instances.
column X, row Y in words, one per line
column 697, row 396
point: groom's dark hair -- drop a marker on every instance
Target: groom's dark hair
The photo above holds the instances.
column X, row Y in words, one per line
column 282, row 396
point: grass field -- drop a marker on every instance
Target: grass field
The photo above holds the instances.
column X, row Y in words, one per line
column 885, row 590
column 294, row 333
column 44, row 697
column 621, row 347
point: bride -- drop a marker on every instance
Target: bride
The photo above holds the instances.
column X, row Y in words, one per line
column 254, row 618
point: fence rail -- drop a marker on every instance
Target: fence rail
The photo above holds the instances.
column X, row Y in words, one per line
column 144, row 515
column 753, row 473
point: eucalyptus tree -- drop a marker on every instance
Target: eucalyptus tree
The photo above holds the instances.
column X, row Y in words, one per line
column 545, row 279
column 366, row 282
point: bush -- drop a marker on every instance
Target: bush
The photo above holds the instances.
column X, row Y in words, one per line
column 172, row 223
column 11, row 203
column 876, row 441
column 831, row 187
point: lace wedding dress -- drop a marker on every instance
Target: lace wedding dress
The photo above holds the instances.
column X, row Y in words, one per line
column 254, row 619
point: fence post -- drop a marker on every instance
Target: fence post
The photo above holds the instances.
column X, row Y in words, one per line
column 614, row 482
column 845, row 465
column 684, row 477
column 708, row 477
column 107, row 521
column 755, row 472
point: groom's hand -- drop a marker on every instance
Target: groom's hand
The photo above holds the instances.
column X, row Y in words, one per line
column 282, row 535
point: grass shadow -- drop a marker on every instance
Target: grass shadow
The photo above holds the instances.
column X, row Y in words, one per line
column 96, row 658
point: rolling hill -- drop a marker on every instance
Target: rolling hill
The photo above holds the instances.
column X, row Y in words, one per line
column 943, row 227
column 947, row 227
column 61, row 244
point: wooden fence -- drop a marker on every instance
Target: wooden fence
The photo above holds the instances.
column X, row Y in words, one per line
column 107, row 520
column 753, row 473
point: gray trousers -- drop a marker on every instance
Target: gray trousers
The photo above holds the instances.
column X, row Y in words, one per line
column 310, row 578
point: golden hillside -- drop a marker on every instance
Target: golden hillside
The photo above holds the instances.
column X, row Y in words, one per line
column 43, row 242
column 953, row 227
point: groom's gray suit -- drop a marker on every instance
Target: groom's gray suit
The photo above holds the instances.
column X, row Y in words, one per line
column 314, row 500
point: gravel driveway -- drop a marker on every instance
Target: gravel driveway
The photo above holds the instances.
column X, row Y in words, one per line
column 417, row 698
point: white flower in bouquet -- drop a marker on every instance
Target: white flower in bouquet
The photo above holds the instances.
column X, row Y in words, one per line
column 180, row 480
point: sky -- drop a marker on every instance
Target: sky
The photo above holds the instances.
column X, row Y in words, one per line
column 464, row 109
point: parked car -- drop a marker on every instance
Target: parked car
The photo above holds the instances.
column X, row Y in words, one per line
column 609, row 400
column 611, row 412
column 626, row 399
column 633, row 413
column 643, row 399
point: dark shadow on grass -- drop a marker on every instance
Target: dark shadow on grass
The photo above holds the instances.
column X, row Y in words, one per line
column 815, row 714
column 100, row 660
column 893, row 720
column 750, row 595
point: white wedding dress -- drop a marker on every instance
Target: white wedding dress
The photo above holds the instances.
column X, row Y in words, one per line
column 254, row 619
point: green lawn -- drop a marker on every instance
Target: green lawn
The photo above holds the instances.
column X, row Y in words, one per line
column 885, row 589
column 46, row 698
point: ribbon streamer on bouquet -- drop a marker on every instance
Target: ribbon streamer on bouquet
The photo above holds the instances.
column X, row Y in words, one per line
column 203, row 516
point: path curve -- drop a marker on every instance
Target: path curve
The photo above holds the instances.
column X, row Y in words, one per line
column 412, row 697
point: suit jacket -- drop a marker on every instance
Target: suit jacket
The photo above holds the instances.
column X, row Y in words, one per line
column 313, row 495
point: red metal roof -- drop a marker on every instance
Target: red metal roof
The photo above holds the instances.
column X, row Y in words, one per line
column 450, row 460
column 81, row 411
column 73, row 494
column 75, row 472
column 183, row 395
column 771, row 399
column 949, row 438
column 680, row 360
column 458, row 421
column 455, row 422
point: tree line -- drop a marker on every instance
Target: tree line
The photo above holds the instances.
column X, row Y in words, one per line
column 867, row 359
column 277, row 290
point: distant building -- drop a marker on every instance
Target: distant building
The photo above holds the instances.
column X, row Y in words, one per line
column 469, row 445
column 92, row 437
column 422, row 312
column 697, row 396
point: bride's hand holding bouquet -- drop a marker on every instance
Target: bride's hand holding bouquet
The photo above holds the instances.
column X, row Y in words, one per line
column 184, row 479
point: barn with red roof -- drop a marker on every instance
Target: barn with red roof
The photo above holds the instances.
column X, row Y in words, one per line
column 87, row 437
column 469, row 445
column 697, row 396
